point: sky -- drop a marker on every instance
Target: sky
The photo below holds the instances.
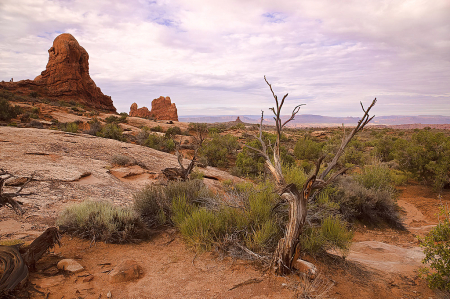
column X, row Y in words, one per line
column 211, row 57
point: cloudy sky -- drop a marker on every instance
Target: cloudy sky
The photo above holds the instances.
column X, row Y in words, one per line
column 210, row 57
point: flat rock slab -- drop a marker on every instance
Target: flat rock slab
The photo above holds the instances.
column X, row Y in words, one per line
column 386, row 257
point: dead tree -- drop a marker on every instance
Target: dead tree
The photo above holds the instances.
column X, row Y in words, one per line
column 182, row 173
column 7, row 199
column 288, row 248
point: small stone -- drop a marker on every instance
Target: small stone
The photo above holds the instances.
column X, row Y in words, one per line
column 305, row 267
column 125, row 271
column 69, row 265
column 109, row 294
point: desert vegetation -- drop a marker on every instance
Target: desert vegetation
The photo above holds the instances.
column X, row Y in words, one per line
column 303, row 193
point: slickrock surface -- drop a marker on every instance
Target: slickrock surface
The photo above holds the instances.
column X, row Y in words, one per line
column 69, row 168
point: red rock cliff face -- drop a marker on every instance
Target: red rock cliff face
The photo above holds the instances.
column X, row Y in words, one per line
column 162, row 109
column 67, row 74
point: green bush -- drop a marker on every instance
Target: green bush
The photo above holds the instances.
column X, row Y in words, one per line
column 308, row 149
column 111, row 131
column 372, row 206
column 295, row 175
column 172, row 131
column 156, row 129
column 427, row 156
column 69, row 127
column 7, row 112
column 159, row 143
column 376, row 177
column 218, row 149
column 95, row 126
column 249, row 162
column 154, row 203
column 436, row 247
column 331, row 234
column 102, row 221
column 114, row 119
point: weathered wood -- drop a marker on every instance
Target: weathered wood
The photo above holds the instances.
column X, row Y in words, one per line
column 13, row 270
column 288, row 248
column 7, row 199
column 16, row 261
column 33, row 252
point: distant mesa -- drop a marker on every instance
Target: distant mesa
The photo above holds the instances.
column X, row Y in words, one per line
column 238, row 120
column 66, row 77
column 162, row 109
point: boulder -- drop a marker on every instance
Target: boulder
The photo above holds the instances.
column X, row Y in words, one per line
column 162, row 109
column 69, row 265
column 125, row 271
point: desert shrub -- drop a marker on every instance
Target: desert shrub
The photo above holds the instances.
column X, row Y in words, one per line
column 436, row 245
column 239, row 126
column 36, row 124
column 114, row 119
column 427, row 156
column 372, row 206
column 308, row 149
column 35, row 110
column 384, row 148
column 376, row 177
column 196, row 175
column 249, row 162
column 154, row 203
column 122, row 160
column 159, row 143
column 102, row 221
column 354, row 156
column 95, row 126
column 33, row 94
column 331, row 234
column 172, row 131
column 251, row 223
column 295, row 175
column 7, row 112
column 218, row 149
column 156, row 129
column 199, row 128
column 68, row 127
column 111, row 131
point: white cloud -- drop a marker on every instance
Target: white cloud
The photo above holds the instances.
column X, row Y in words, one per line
column 208, row 55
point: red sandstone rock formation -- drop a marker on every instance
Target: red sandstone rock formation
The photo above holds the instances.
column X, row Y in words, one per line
column 162, row 109
column 66, row 77
column 141, row 112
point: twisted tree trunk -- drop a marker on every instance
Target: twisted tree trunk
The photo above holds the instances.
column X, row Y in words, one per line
column 288, row 249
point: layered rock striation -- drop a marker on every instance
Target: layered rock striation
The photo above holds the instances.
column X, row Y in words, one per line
column 66, row 76
column 162, row 109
